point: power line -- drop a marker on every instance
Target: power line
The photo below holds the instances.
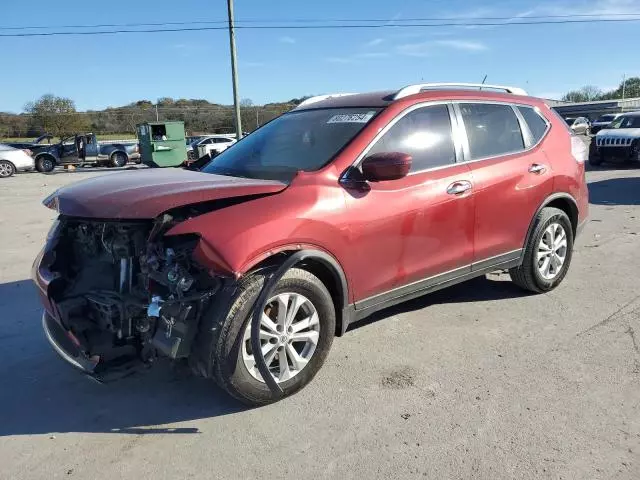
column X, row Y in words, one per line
column 330, row 27
column 594, row 16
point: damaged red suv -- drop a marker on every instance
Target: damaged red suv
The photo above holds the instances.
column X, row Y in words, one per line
column 346, row 205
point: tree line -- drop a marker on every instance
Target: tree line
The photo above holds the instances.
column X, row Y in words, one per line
column 58, row 116
column 629, row 88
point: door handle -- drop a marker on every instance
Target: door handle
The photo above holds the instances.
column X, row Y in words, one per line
column 459, row 187
column 537, row 169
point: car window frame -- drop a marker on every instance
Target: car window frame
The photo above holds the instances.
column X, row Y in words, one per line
column 455, row 133
column 531, row 142
column 527, row 136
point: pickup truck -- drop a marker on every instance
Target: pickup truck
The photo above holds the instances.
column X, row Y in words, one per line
column 84, row 149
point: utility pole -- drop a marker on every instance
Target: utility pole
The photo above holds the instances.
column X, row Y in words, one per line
column 157, row 116
column 234, row 71
column 257, row 120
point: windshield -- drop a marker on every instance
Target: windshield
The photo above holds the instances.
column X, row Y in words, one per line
column 626, row 122
column 605, row 118
column 569, row 121
column 305, row 140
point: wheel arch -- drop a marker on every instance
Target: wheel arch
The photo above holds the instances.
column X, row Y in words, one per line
column 329, row 272
column 561, row 201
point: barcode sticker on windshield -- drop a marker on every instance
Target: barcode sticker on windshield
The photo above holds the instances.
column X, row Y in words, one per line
column 352, row 117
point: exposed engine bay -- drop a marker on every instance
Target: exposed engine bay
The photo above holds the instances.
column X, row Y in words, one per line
column 126, row 292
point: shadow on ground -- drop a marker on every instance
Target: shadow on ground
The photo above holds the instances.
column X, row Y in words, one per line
column 40, row 394
column 615, row 191
column 486, row 288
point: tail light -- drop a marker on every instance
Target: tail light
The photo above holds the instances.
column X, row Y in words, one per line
column 578, row 149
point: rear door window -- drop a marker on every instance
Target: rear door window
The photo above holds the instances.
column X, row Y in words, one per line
column 492, row 130
column 537, row 124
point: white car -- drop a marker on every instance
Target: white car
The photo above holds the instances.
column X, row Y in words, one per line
column 13, row 159
column 210, row 145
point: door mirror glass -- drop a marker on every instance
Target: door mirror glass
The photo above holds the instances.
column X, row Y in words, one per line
column 385, row 166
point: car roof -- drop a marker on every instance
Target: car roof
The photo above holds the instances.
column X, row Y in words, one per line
column 385, row 98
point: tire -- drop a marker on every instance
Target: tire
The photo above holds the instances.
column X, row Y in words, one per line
column 528, row 275
column 45, row 164
column 118, row 160
column 7, row 169
column 222, row 340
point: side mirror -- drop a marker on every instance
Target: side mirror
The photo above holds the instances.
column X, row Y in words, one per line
column 384, row 166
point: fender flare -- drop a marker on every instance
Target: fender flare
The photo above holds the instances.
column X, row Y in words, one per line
column 343, row 310
column 546, row 202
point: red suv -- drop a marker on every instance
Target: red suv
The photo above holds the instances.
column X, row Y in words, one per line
column 346, row 205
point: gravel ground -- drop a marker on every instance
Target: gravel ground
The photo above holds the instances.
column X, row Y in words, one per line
column 477, row 381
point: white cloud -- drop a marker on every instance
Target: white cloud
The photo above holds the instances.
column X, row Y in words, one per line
column 425, row 49
column 289, row 40
column 374, row 43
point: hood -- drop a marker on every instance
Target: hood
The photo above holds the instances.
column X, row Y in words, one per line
column 619, row 133
column 148, row 193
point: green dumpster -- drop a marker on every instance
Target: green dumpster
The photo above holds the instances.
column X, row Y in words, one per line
column 162, row 144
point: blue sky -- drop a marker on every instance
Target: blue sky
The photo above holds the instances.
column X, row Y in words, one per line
column 276, row 65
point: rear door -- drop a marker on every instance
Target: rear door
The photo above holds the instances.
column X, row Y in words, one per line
column 512, row 175
column 408, row 231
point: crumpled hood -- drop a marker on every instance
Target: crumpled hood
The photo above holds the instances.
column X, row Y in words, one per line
column 148, row 193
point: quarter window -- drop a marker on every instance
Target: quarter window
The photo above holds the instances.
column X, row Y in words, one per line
column 537, row 125
column 492, row 129
column 425, row 134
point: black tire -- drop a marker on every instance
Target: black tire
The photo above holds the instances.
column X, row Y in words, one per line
column 527, row 275
column 7, row 169
column 220, row 342
column 595, row 159
column 118, row 160
column 45, row 164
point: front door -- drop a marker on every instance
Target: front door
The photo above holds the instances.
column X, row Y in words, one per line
column 69, row 150
column 511, row 172
column 418, row 227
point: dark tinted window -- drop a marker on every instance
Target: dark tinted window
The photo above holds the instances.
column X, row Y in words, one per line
column 491, row 129
column 300, row 140
column 536, row 123
column 425, row 134
column 626, row 122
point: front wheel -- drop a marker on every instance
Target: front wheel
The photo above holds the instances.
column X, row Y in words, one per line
column 296, row 332
column 45, row 164
column 548, row 253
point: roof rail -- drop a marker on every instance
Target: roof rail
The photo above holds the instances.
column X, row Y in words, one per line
column 419, row 87
column 318, row 98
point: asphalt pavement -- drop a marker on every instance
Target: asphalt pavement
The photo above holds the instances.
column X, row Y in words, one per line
column 477, row 381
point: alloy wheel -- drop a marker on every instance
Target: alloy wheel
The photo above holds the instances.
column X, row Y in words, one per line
column 552, row 251
column 289, row 333
column 6, row 170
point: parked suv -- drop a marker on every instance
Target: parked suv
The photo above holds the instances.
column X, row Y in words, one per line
column 344, row 206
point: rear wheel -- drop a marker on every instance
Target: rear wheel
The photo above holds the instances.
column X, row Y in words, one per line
column 118, row 159
column 548, row 253
column 45, row 164
column 296, row 333
column 6, row 169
